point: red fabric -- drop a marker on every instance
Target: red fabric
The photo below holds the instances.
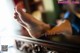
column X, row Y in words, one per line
column 16, row 1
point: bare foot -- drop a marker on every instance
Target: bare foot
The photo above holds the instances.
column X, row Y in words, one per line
column 34, row 27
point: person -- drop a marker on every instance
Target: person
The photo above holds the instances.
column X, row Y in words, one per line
column 36, row 28
column 38, row 11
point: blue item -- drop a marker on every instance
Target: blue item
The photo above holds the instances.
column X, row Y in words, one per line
column 67, row 14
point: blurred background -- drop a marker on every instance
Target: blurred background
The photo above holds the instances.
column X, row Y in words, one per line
column 48, row 11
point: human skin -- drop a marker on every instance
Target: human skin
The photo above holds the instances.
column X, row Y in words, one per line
column 41, row 27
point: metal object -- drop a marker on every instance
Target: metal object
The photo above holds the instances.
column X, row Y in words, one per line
column 54, row 46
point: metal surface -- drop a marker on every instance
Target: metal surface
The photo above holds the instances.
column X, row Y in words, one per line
column 58, row 46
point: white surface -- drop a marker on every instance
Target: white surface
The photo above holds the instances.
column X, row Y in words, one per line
column 8, row 26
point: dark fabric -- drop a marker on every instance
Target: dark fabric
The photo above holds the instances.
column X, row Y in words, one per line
column 75, row 31
column 52, row 25
column 75, row 23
